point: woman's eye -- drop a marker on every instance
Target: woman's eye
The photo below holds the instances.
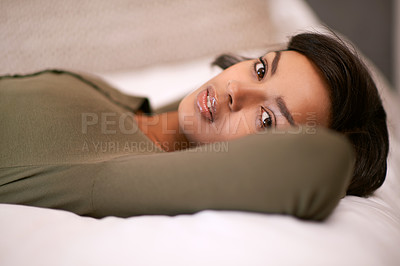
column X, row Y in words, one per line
column 266, row 119
column 259, row 68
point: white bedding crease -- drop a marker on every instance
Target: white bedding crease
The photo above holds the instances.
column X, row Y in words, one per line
column 360, row 231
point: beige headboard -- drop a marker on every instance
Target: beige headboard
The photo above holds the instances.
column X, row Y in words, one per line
column 102, row 35
column 106, row 36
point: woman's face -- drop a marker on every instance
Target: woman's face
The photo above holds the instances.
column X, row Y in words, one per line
column 278, row 90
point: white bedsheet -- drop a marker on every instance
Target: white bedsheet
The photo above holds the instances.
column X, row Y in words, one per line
column 360, row 232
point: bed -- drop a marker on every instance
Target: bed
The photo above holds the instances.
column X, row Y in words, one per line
column 360, row 231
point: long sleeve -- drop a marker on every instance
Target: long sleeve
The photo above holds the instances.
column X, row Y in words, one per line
column 301, row 174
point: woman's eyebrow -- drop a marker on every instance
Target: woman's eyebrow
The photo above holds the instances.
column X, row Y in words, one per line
column 284, row 110
column 275, row 62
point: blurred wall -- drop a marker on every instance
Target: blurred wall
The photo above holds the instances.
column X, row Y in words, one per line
column 370, row 24
column 397, row 44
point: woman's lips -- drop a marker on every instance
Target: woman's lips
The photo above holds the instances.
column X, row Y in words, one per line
column 207, row 103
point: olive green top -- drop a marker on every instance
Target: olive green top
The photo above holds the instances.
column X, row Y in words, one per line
column 69, row 141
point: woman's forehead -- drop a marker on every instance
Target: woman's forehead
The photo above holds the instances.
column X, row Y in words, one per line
column 299, row 83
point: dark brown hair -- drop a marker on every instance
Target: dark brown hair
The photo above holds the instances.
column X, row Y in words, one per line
column 357, row 109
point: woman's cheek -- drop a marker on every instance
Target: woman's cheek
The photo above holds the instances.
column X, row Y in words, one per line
column 236, row 125
column 186, row 117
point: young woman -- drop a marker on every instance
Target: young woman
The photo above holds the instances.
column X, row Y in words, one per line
column 71, row 142
column 317, row 78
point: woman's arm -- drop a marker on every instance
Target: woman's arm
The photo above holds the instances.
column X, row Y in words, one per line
column 302, row 174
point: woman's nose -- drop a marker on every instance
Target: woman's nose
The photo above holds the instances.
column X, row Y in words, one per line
column 241, row 94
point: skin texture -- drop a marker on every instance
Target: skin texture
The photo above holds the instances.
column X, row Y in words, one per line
column 246, row 103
